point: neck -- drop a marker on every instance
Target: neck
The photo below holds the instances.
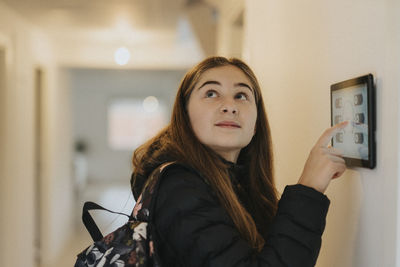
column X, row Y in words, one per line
column 229, row 156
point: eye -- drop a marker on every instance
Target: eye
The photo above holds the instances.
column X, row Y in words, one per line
column 242, row 96
column 211, row 93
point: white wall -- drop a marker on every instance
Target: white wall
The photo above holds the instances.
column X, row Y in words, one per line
column 57, row 187
column 17, row 190
column 26, row 48
column 298, row 49
column 2, row 132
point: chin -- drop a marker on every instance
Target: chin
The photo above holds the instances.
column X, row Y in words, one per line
column 227, row 146
column 225, row 142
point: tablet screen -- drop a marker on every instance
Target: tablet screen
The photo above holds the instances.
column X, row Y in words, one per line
column 350, row 104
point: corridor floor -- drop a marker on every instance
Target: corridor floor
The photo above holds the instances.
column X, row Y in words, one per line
column 116, row 197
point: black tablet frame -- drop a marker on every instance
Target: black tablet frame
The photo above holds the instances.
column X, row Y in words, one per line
column 371, row 100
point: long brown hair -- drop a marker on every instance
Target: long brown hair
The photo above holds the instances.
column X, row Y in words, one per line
column 177, row 142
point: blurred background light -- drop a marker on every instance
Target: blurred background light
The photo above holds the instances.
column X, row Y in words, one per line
column 150, row 104
column 122, row 56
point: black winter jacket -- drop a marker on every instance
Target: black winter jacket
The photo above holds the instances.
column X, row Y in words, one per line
column 193, row 229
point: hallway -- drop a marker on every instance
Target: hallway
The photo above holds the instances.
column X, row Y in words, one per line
column 83, row 83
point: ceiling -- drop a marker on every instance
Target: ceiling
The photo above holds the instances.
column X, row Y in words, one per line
column 79, row 28
column 95, row 14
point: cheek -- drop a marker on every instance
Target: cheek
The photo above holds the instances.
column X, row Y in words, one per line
column 252, row 122
column 198, row 119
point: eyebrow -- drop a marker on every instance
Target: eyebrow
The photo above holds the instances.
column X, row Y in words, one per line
column 236, row 85
column 209, row 82
column 244, row 85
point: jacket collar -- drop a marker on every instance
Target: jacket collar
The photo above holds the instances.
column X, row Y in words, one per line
column 236, row 171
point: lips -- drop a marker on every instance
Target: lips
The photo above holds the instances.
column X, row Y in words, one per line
column 228, row 124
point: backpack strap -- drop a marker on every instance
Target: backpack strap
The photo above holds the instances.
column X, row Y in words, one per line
column 91, row 225
column 157, row 174
column 145, row 203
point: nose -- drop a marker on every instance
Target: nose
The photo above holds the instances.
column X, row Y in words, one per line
column 229, row 107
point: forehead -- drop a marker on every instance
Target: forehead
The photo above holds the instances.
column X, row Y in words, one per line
column 227, row 73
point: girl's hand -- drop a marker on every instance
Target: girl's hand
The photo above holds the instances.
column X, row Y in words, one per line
column 324, row 163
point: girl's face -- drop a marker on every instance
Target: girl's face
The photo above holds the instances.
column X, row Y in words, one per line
column 222, row 110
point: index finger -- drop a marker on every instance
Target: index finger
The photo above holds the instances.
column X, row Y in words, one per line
column 326, row 137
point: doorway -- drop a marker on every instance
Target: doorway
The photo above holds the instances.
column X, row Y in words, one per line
column 38, row 115
column 2, row 140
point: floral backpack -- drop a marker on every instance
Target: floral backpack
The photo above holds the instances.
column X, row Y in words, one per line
column 130, row 245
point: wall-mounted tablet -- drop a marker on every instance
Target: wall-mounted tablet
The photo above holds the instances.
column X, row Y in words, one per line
column 354, row 100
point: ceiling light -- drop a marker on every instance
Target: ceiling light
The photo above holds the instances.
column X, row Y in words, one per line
column 122, row 56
